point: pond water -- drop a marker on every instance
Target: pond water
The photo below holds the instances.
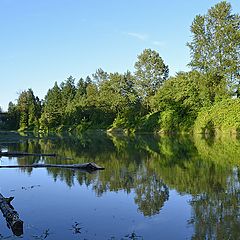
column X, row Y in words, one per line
column 152, row 187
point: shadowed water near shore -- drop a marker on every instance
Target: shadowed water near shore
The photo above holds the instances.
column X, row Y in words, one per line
column 150, row 185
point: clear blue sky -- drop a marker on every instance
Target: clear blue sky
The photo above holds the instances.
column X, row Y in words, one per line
column 43, row 41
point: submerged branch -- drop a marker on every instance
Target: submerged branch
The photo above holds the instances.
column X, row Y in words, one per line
column 22, row 154
column 88, row 166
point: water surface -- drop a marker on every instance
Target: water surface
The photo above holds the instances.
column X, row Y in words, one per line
column 152, row 187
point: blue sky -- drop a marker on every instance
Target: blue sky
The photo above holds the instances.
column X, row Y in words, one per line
column 43, row 41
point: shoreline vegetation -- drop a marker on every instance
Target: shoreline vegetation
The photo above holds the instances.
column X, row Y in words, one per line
column 204, row 100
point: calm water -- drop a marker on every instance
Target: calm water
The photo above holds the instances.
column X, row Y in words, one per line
column 152, row 188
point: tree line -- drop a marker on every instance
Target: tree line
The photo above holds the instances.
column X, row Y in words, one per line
column 148, row 99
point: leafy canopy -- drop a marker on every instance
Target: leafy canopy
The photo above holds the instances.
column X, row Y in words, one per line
column 215, row 45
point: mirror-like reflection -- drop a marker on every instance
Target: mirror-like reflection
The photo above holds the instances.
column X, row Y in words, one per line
column 150, row 170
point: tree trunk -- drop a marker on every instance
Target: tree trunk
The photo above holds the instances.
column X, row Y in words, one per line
column 11, row 215
column 87, row 166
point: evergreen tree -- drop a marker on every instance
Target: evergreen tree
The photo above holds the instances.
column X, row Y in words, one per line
column 51, row 117
column 28, row 110
column 81, row 88
column 100, row 76
column 13, row 117
column 68, row 91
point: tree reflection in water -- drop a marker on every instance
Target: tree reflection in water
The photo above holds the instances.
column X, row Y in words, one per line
column 151, row 194
column 149, row 166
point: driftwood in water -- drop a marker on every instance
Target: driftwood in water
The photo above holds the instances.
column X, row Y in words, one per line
column 88, row 166
column 11, row 215
column 22, row 154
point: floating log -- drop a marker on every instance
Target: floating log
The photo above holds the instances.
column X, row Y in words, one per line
column 22, row 154
column 11, row 215
column 91, row 166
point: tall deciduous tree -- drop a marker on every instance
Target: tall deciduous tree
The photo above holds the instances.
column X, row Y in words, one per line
column 215, row 45
column 151, row 72
column 117, row 93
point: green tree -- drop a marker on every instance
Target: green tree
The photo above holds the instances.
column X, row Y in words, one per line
column 179, row 100
column 51, row 117
column 179, row 91
column 81, row 88
column 38, row 110
column 215, row 45
column 13, row 117
column 68, row 91
column 22, row 104
column 29, row 108
column 91, row 94
column 151, row 72
column 34, row 110
column 118, row 97
column 100, row 76
column 118, row 92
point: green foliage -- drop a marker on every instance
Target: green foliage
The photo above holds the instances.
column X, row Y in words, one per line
column 182, row 91
column 100, row 76
column 223, row 116
column 169, row 121
column 51, row 117
column 126, row 122
column 118, row 93
column 212, row 89
column 29, row 109
column 215, row 45
column 179, row 97
column 149, row 123
column 13, row 117
column 223, row 149
column 150, row 74
column 68, row 91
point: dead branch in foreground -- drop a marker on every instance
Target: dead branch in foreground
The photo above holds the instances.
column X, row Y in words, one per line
column 11, row 215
